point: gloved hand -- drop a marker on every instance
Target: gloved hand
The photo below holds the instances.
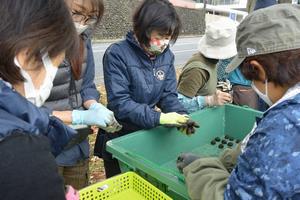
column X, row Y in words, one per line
column 184, row 159
column 96, row 106
column 114, row 126
column 173, row 119
column 218, row 99
column 224, row 86
column 96, row 115
column 189, row 127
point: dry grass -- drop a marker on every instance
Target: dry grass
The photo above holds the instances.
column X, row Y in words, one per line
column 96, row 164
column 97, row 172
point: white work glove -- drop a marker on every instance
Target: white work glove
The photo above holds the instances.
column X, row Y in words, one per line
column 218, row 99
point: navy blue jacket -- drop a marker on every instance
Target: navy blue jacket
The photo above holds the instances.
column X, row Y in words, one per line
column 269, row 167
column 135, row 84
column 264, row 3
column 16, row 113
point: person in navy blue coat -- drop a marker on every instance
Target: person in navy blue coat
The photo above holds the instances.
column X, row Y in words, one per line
column 139, row 76
column 31, row 49
column 35, row 37
column 264, row 3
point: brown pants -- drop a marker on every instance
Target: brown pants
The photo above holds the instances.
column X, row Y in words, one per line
column 243, row 95
column 77, row 175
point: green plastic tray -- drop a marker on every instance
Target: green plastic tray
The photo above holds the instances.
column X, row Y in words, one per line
column 153, row 153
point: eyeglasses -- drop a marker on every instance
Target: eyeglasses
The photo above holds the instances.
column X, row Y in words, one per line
column 79, row 17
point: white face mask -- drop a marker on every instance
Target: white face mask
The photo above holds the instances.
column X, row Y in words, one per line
column 80, row 28
column 39, row 96
column 264, row 97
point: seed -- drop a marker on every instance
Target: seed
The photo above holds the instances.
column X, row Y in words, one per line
column 224, row 142
column 230, row 144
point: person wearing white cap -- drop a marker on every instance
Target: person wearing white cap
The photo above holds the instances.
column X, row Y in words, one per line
column 198, row 79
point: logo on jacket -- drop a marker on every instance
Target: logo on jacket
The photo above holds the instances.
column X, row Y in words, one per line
column 160, row 75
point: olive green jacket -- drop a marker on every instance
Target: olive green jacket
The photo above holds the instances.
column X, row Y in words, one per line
column 198, row 77
column 206, row 178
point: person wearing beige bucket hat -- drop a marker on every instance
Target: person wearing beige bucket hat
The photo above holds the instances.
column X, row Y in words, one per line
column 198, row 79
column 218, row 41
column 266, row 164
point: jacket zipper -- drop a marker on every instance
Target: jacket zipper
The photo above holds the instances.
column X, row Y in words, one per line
column 153, row 68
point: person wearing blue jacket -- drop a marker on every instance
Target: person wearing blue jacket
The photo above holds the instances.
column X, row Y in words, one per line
column 74, row 96
column 140, row 76
column 257, row 4
column 266, row 164
column 35, row 36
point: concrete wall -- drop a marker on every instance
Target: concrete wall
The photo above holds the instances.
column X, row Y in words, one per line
column 118, row 14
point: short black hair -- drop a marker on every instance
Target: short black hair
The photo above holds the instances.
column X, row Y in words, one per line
column 37, row 26
column 156, row 15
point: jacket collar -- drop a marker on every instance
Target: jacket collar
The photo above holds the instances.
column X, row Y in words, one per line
column 289, row 95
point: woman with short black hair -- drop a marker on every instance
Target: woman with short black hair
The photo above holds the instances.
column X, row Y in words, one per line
column 139, row 75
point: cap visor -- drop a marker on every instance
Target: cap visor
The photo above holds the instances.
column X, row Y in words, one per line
column 235, row 63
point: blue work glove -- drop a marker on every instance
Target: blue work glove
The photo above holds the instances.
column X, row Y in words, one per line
column 96, row 115
column 114, row 126
column 97, row 106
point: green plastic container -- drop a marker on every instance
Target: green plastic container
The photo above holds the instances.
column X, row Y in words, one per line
column 153, row 153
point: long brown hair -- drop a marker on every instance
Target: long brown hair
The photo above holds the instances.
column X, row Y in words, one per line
column 76, row 63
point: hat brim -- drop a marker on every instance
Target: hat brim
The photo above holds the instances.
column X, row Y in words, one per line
column 235, row 63
column 217, row 52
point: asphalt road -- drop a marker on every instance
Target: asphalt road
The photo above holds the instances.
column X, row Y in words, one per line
column 183, row 49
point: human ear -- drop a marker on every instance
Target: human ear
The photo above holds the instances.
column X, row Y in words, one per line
column 22, row 57
column 259, row 70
